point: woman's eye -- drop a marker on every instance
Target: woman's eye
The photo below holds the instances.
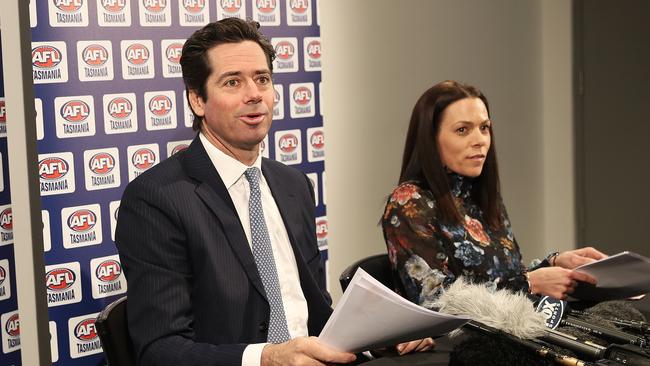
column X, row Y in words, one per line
column 461, row 129
column 485, row 127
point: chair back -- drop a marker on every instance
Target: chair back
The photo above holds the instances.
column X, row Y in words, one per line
column 378, row 266
column 113, row 331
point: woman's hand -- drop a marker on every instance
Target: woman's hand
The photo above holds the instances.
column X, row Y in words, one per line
column 575, row 258
column 556, row 282
column 420, row 345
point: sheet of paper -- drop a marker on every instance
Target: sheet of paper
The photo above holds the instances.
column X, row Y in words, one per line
column 619, row 276
column 370, row 316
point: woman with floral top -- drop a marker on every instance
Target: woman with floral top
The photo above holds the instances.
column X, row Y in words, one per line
column 446, row 218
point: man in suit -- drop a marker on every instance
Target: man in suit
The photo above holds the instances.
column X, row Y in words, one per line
column 190, row 229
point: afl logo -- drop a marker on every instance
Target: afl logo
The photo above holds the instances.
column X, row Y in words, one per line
column 75, row 111
column 321, row 229
column 284, row 50
column 302, row 95
column 95, row 55
column 143, row 159
column 194, row 6
column 6, row 219
column 137, row 54
column 276, row 97
column 265, row 6
column 46, row 57
column 13, row 326
column 288, row 143
column 173, row 52
column 82, row 220
column 114, row 6
column 313, row 49
column 59, row 279
column 120, row 108
column 101, row 163
column 179, row 148
column 231, row 6
column 317, row 140
column 160, row 105
column 108, row 271
column 155, row 6
column 299, row 6
column 3, row 274
column 52, row 168
column 68, row 6
column 3, row 112
column 85, row 330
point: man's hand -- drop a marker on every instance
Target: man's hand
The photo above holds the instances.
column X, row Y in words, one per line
column 303, row 351
column 556, row 282
column 575, row 258
column 420, row 345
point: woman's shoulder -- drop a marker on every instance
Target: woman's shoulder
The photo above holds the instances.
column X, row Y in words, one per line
column 409, row 191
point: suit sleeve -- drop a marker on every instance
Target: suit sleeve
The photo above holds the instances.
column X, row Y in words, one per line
column 152, row 249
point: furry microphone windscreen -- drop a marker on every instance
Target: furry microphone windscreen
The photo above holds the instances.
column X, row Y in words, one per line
column 501, row 309
column 507, row 311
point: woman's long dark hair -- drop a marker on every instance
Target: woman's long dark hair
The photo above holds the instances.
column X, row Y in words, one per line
column 422, row 163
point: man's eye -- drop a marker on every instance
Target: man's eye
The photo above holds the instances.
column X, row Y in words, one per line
column 232, row 82
column 461, row 129
column 264, row 80
column 485, row 127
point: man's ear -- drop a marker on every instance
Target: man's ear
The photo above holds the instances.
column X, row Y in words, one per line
column 197, row 103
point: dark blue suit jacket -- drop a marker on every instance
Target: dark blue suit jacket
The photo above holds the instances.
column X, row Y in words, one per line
column 195, row 295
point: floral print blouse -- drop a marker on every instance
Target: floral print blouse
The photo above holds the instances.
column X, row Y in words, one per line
column 427, row 255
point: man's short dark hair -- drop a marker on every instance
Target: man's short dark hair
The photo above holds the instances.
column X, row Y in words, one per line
column 194, row 59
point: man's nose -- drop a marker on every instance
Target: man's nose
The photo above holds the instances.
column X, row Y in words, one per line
column 252, row 92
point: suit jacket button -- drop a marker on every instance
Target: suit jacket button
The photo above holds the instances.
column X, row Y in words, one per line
column 264, row 326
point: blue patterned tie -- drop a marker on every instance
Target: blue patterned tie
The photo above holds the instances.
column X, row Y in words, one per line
column 263, row 254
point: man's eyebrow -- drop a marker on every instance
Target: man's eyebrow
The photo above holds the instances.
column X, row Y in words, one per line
column 238, row 73
column 228, row 74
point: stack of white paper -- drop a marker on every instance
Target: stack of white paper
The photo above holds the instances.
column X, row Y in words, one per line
column 370, row 316
column 619, row 276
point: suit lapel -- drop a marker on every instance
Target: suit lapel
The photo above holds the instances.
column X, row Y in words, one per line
column 215, row 195
column 286, row 202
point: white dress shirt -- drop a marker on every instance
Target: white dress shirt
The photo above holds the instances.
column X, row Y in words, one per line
column 231, row 172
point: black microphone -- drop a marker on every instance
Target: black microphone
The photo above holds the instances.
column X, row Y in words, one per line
column 557, row 313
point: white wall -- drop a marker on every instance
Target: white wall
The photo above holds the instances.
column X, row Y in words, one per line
column 381, row 55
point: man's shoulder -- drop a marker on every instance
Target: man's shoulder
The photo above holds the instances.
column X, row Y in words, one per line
column 282, row 170
column 164, row 173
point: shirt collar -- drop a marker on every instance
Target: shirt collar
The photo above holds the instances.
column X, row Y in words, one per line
column 229, row 168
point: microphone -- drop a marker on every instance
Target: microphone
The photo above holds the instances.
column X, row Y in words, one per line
column 619, row 313
column 514, row 316
column 557, row 313
column 499, row 315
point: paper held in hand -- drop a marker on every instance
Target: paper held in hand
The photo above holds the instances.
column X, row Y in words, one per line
column 370, row 316
column 619, row 276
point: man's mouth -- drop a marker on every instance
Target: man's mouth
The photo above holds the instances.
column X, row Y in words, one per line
column 252, row 118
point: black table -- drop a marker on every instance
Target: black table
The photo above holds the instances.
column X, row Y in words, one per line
column 438, row 357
